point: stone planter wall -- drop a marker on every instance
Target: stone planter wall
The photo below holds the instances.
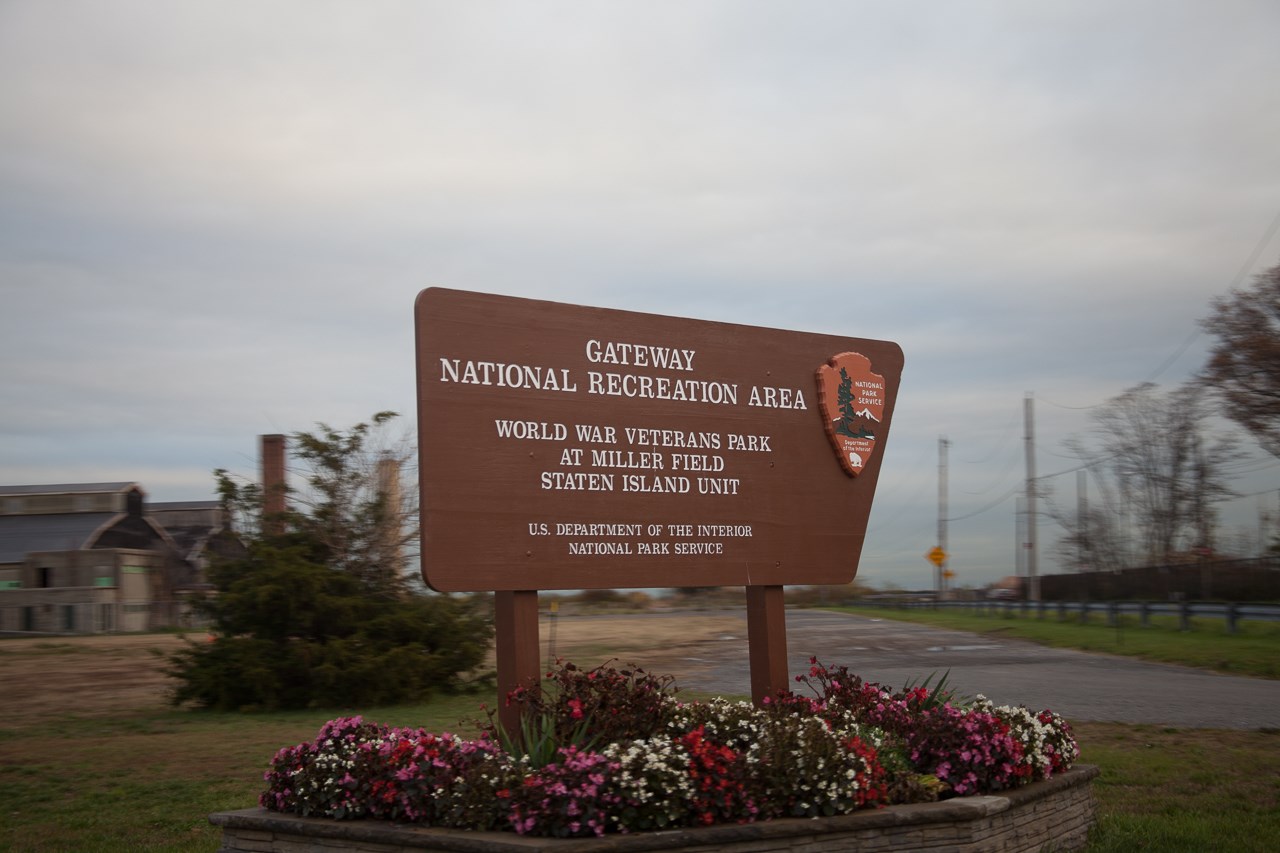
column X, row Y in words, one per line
column 1052, row 815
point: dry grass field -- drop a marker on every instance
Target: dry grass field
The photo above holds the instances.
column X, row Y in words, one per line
column 94, row 676
column 123, row 674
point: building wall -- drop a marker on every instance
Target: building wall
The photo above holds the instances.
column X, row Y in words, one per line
column 86, row 592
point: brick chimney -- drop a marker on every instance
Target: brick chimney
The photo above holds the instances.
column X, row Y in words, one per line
column 390, row 533
column 273, row 484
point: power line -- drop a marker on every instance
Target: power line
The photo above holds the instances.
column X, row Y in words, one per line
column 1002, row 443
column 1043, row 399
column 1082, row 467
column 1177, row 354
column 890, row 497
column 998, row 479
column 995, row 503
column 1257, row 251
column 1235, row 282
column 1254, row 494
column 1250, row 466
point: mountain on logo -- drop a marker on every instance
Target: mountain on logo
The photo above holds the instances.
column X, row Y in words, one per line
column 843, row 427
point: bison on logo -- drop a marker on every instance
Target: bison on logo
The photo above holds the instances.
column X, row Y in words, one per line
column 852, row 400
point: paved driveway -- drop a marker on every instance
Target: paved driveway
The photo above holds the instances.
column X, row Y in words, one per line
column 1079, row 685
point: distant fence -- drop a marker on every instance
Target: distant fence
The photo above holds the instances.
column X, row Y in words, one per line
column 1255, row 579
column 1184, row 611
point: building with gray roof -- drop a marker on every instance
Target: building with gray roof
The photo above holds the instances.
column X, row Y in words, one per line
column 84, row 558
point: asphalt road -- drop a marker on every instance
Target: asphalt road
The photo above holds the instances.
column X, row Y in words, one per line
column 1079, row 685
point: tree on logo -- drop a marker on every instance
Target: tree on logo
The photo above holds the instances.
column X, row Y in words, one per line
column 844, row 401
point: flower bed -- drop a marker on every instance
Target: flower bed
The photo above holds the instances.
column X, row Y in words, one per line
column 1054, row 814
column 613, row 751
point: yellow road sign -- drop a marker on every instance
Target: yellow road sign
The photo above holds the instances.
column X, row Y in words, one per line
column 937, row 556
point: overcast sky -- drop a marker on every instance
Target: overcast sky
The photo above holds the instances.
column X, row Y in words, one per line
column 214, row 217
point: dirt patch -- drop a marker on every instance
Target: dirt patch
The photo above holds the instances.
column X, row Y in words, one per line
column 683, row 645
column 89, row 676
column 120, row 674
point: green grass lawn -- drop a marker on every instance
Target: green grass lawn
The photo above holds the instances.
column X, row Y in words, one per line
column 1254, row 650
column 148, row 781
column 1191, row 790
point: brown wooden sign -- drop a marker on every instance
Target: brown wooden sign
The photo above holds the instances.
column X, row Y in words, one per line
column 567, row 447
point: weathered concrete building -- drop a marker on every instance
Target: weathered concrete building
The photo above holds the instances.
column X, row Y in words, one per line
column 95, row 558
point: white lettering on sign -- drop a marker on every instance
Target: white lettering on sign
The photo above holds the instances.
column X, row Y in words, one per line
column 699, row 547
column 724, row 530
column 595, row 434
column 626, row 459
column 608, row 548
column 718, row 485
column 664, row 484
column 639, row 355
column 662, row 388
column 532, row 377
column 622, row 450
column 696, row 462
column 628, row 538
column 580, row 529
column 531, row 429
column 758, row 443
column 575, row 481
column 673, row 438
column 776, row 398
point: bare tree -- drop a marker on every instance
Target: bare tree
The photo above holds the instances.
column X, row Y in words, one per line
column 1159, row 475
column 1244, row 365
column 1097, row 538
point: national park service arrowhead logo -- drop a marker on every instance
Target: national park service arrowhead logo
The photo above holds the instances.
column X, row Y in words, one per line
column 852, row 400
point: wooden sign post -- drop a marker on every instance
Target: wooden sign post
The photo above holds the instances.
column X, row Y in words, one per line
column 568, row 447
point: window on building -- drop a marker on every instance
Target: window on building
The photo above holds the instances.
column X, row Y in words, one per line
column 45, row 577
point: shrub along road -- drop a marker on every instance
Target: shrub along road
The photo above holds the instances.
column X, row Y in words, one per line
column 1079, row 685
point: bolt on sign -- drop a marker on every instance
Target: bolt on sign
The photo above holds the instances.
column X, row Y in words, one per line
column 568, row 447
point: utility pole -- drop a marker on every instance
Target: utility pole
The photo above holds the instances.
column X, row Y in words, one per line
column 1082, row 519
column 1204, row 520
column 1033, row 578
column 1264, row 525
column 941, row 569
column 1020, row 537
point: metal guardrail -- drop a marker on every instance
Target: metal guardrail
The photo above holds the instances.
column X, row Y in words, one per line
column 1231, row 612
